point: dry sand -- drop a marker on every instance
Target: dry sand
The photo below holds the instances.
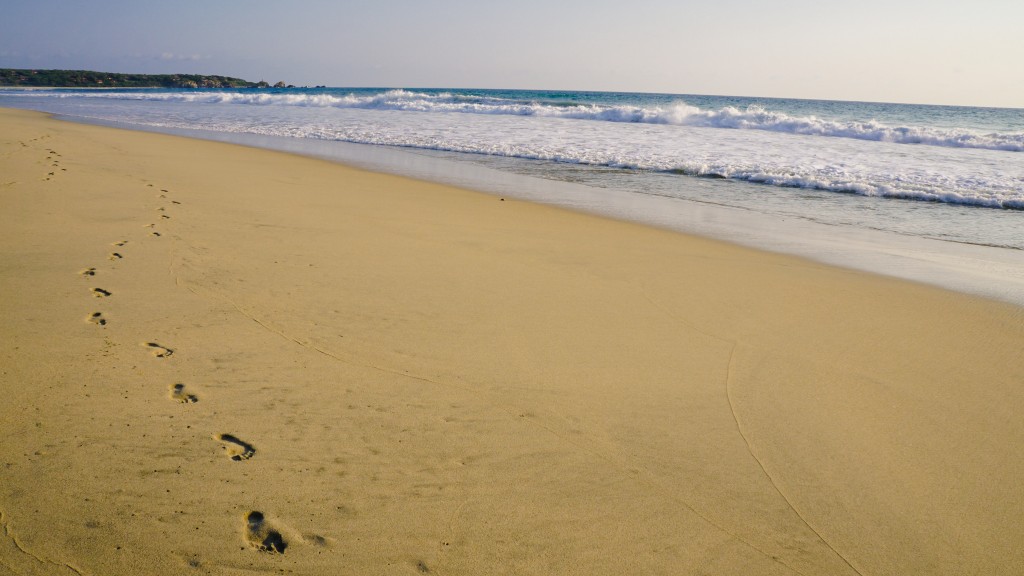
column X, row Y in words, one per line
column 208, row 349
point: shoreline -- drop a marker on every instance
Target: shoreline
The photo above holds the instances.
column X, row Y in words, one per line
column 390, row 376
column 992, row 272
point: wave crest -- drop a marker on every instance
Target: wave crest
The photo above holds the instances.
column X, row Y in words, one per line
column 679, row 114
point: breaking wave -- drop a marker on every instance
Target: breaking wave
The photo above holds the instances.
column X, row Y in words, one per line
column 680, row 114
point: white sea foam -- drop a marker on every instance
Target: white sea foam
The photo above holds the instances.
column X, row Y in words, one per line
column 966, row 177
column 679, row 114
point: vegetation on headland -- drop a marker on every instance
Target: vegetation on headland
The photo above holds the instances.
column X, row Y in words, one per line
column 91, row 79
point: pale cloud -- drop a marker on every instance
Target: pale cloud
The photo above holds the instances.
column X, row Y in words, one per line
column 171, row 56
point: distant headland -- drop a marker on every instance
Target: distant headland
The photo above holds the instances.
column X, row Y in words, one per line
column 90, row 79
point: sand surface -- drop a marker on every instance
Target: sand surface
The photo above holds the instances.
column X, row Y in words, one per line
column 207, row 349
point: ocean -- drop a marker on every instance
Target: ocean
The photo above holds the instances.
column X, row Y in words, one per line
column 927, row 193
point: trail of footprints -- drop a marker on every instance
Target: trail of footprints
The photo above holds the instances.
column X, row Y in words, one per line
column 52, row 158
column 258, row 532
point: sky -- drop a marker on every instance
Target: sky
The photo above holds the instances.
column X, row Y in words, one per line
column 916, row 51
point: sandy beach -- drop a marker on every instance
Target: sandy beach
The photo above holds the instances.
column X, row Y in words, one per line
column 224, row 360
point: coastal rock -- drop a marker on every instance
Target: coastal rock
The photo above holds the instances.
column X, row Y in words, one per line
column 88, row 78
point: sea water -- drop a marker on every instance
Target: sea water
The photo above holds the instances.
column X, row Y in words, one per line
column 929, row 193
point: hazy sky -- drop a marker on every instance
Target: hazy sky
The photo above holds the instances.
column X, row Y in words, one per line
column 927, row 51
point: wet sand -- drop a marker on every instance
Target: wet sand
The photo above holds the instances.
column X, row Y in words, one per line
column 223, row 360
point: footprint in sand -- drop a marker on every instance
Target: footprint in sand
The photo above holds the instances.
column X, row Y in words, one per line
column 88, row 272
column 157, row 234
column 315, row 540
column 158, row 350
column 115, row 256
column 165, row 216
column 97, row 318
column 178, row 393
column 101, row 293
column 120, row 243
column 236, row 448
column 261, row 536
